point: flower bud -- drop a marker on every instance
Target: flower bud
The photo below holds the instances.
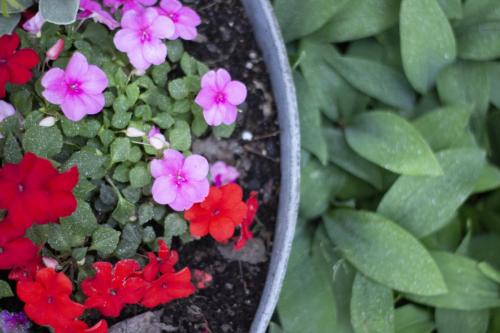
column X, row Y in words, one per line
column 47, row 122
column 133, row 132
column 50, row 262
column 34, row 25
column 56, row 49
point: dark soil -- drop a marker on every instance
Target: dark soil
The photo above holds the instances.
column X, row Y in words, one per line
column 229, row 304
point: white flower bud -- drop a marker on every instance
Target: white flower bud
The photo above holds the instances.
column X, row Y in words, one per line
column 134, row 132
column 47, row 122
column 50, row 262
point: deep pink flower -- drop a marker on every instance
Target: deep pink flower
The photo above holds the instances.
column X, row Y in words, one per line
column 92, row 9
column 78, row 89
column 141, row 37
column 180, row 182
column 219, row 97
column 128, row 4
column 34, row 25
column 185, row 19
column 223, row 174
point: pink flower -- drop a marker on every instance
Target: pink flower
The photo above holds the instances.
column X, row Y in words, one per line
column 92, row 9
column 128, row 4
column 55, row 50
column 180, row 182
column 223, row 174
column 219, row 97
column 141, row 37
column 78, row 89
column 156, row 139
column 34, row 24
column 6, row 110
column 185, row 19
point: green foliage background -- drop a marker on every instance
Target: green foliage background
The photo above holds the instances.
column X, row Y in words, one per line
column 399, row 227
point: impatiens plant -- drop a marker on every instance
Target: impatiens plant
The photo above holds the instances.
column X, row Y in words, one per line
column 97, row 120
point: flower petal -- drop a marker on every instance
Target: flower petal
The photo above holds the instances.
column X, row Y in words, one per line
column 195, row 167
column 154, row 51
column 206, row 98
column 77, row 66
column 95, row 81
column 162, row 27
column 221, row 229
column 222, row 78
column 236, row 92
column 164, row 190
column 127, row 39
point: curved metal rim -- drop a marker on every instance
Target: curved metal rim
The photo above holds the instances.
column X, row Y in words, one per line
column 271, row 42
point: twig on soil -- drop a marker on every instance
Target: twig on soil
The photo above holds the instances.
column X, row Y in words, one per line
column 258, row 153
column 267, row 136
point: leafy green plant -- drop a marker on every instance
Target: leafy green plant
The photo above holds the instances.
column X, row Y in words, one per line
column 400, row 226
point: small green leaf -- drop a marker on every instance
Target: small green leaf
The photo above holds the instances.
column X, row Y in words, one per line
column 88, row 161
column 59, row 239
column 180, row 136
column 133, row 93
column 140, row 176
column 424, row 57
column 160, row 73
column 403, row 263
column 164, row 120
column 36, row 138
column 224, row 131
column 5, row 290
column 124, row 211
column 175, row 50
column 488, row 180
column 105, row 240
column 388, row 140
column 479, row 40
column 146, row 212
column 412, row 319
column 11, row 150
column 82, row 222
column 121, row 104
column 131, row 239
column 372, row 308
column 120, row 149
column 178, row 89
column 456, row 321
column 174, row 225
column 188, row 64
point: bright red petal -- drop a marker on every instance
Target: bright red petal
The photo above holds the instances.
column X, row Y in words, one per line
column 100, row 327
column 221, row 229
column 64, row 182
column 9, row 44
column 26, row 58
column 18, row 74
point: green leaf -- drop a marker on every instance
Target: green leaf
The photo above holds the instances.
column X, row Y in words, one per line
column 120, row 149
column 299, row 18
column 178, row 89
column 343, row 156
column 488, row 180
column 146, row 212
column 443, row 128
column 8, row 23
column 224, row 131
column 121, row 104
column 424, row 57
column 372, row 308
column 133, row 93
column 310, row 121
column 16, row 6
column 456, row 321
column 188, row 64
column 412, row 319
column 174, row 225
column 479, row 41
column 35, row 140
column 131, row 239
column 105, row 240
column 375, row 79
column 88, row 161
column 358, row 19
column 180, row 136
column 82, row 222
column 175, row 50
column 5, row 290
column 388, row 140
column 124, row 211
column 140, row 176
column 160, row 73
column 458, row 271
column 58, row 238
column 452, row 8
column 11, row 150
column 402, row 263
column 59, row 11
column 422, row 205
column 164, row 120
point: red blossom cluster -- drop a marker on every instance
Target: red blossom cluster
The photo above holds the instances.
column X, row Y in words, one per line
column 221, row 213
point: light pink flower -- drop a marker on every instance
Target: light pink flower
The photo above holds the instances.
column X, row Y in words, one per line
column 34, row 25
column 55, row 50
column 179, row 182
column 141, row 37
column 185, row 19
column 128, row 4
column 156, row 139
column 92, row 9
column 223, row 174
column 77, row 89
column 219, row 97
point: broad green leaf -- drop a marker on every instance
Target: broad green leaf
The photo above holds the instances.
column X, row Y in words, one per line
column 479, row 41
column 180, row 136
column 343, row 156
column 59, row 11
column 35, row 140
column 59, row 239
column 452, row 8
column 140, row 175
column 5, row 290
column 372, row 308
column 310, row 121
column 16, row 6
column 488, row 180
column 8, row 23
column 82, row 222
column 89, row 162
column 422, row 205
column 299, row 18
column 178, row 89
column 105, row 240
column 175, row 50
column 174, row 225
column 467, row 84
column 388, row 140
column 11, row 150
column 412, row 319
column 375, row 79
column 468, row 287
column 443, row 128
column 403, row 263
column 457, row 321
column 490, row 271
column 124, row 211
column 120, row 150
column 131, row 239
column 359, row 19
column 424, row 57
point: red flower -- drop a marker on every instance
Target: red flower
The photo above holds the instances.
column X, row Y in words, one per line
column 15, row 65
column 47, row 298
column 168, row 287
column 246, row 233
column 164, row 263
column 113, row 287
column 221, row 212
column 78, row 326
column 33, row 191
column 15, row 250
column 27, row 272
